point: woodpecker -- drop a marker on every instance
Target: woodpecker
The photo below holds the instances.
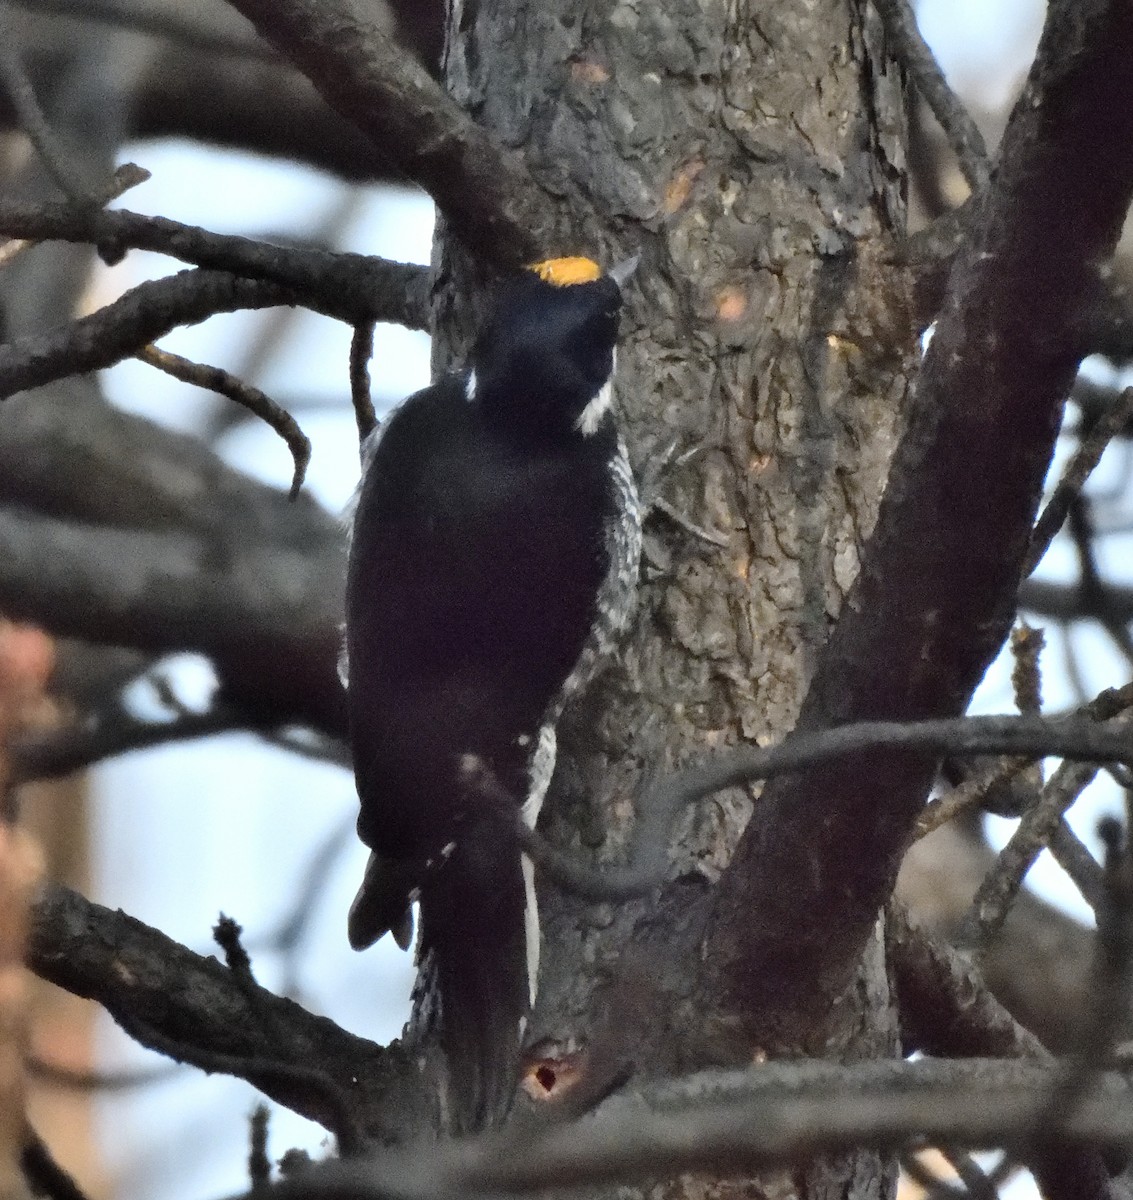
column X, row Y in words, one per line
column 493, row 564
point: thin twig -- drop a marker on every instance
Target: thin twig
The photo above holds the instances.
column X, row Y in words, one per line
column 57, row 752
column 732, row 1124
column 1076, row 738
column 227, row 934
column 1084, row 870
column 1074, row 477
column 361, row 348
column 997, row 892
column 1033, row 736
column 145, row 313
column 1092, row 586
column 76, row 1079
column 288, row 935
column 168, row 24
column 610, row 884
column 490, row 200
column 127, row 176
column 971, row 1174
column 930, row 1183
column 961, row 131
column 33, row 122
column 969, row 794
column 687, row 524
column 215, row 379
column 1107, row 1003
column 259, row 1165
column 1112, row 973
column 1038, row 826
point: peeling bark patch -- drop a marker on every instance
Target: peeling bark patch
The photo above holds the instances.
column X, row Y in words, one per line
column 679, row 188
column 731, row 303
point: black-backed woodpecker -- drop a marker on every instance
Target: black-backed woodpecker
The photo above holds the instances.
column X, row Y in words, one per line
column 493, row 562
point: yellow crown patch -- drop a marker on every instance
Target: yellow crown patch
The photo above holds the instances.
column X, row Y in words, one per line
column 565, row 271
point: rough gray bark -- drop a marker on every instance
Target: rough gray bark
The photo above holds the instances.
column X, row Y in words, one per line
column 752, row 157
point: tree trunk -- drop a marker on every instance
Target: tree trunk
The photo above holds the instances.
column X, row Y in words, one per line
column 754, row 151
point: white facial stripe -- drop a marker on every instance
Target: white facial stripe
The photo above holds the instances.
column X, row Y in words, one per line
column 470, row 386
column 591, row 416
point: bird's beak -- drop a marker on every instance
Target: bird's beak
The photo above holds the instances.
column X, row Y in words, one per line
column 621, row 272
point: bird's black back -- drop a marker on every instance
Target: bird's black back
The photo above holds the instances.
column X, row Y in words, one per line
column 494, row 542
column 471, row 605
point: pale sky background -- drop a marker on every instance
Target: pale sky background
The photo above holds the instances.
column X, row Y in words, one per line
column 158, row 853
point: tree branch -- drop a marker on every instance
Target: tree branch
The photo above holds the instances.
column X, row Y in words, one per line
column 946, row 1007
column 1069, row 602
column 72, row 466
column 486, row 194
column 936, row 590
column 961, row 131
column 267, row 616
column 148, row 982
column 734, row 1124
column 144, row 314
column 58, row 752
column 355, row 287
column 255, row 401
column 67, row 453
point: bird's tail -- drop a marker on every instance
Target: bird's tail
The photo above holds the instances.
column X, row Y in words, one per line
column 474, row 951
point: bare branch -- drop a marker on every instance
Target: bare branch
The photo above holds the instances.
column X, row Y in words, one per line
column 1074, row 477
column 189, row 28
column 182, row 1003
column 127, row 176
column 946, row 1007
column 732, row 1124
column 54, row 157
column 56, row 1075
column 361, row 348
column 251, row 398
column 486, row 194
column 352, row 287
column 662, row 801
column 961, row 131
column 265, row 107
column 966, row 795
column 145, row 314
column 267, row 615
column 87, row 480
column 1068, row 602
column 55, row 753
column 43, row 1172
column 1084, row 870
column 69, row 454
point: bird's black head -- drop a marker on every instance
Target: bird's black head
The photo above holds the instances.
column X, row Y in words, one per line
column 546, row 358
